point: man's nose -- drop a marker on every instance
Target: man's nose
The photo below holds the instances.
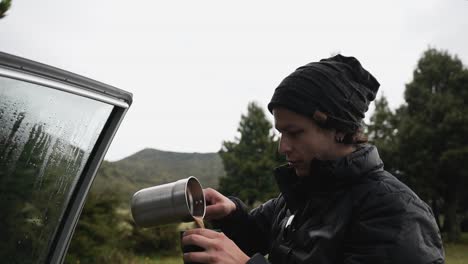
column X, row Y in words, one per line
column 284, row 146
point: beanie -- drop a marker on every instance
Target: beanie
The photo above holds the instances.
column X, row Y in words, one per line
column 336, row 90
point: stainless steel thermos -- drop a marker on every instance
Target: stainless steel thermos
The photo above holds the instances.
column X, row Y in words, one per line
column 174, row 202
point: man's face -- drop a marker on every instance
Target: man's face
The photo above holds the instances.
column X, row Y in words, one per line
column 302, row 140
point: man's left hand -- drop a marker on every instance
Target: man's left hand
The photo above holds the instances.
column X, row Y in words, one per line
column 219, row 249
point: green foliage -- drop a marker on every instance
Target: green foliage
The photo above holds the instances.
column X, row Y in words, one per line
column 4, row 6
column 424, row 142
column 97, row 235
column 250, row 159
column 148, row 242
column 383, row 132
column 435, row 128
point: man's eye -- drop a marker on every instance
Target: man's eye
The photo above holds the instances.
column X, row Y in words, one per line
column 295, row 133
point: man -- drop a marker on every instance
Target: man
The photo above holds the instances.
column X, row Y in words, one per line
column 337, row 203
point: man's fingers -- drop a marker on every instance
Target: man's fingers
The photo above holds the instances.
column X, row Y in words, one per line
column 218, row 206
column 201, row 257
column 197, row 240
column 202, row 232
column 211, row 196
column 214, row 211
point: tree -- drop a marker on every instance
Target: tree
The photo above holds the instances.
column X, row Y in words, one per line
column 432, row 133
column 250, row 159
column 98, row 236
column 4, row 6
column 383, row 133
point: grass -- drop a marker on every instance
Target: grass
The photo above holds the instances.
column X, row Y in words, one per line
column 457, row 253
column 158, row 260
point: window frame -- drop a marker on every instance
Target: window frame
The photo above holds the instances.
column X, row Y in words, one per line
column 30, row 71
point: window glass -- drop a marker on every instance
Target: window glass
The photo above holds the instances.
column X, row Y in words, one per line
column 46, row 137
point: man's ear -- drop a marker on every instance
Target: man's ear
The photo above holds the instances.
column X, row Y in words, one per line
column 339, row 137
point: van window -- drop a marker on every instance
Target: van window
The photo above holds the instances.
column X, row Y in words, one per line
column 46, row 137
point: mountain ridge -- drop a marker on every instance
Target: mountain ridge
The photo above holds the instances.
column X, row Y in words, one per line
column 149, row 167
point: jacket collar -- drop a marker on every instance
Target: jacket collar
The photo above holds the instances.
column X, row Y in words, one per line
column 327, row 176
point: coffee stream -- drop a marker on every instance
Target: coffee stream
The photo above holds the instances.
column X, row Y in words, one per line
column 199, row 222
column 198, row 219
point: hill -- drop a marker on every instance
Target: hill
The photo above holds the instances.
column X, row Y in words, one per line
column 150, row 167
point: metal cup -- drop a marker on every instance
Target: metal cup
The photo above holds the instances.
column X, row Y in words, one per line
column 174, row 202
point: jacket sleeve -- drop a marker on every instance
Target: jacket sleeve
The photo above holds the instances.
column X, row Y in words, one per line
column 393, row 227
column 250, row 231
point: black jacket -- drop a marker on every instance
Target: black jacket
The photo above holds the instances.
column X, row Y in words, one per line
column 351, row 211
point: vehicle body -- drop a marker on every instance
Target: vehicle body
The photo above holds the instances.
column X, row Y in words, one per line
column 55, row 128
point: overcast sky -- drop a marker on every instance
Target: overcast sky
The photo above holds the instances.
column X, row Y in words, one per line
column 193, row 66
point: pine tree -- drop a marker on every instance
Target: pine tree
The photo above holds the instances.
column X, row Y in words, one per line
column 383, row 133
column 432, row 133
column 250, row 159
column 4, row 6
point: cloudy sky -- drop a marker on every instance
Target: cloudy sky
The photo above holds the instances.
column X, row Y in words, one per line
column 193, row 66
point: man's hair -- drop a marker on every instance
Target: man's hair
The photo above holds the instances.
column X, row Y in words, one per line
column 351, row 138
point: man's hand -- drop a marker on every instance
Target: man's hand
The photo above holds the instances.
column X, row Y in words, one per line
column 219, row 249
column 217, row 205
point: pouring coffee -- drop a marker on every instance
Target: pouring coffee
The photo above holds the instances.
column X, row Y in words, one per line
column 180, row 201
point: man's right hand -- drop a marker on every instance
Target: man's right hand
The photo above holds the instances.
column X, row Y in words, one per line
column 217, row 205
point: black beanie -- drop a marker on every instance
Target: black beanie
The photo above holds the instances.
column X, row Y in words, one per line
column 338, row 86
